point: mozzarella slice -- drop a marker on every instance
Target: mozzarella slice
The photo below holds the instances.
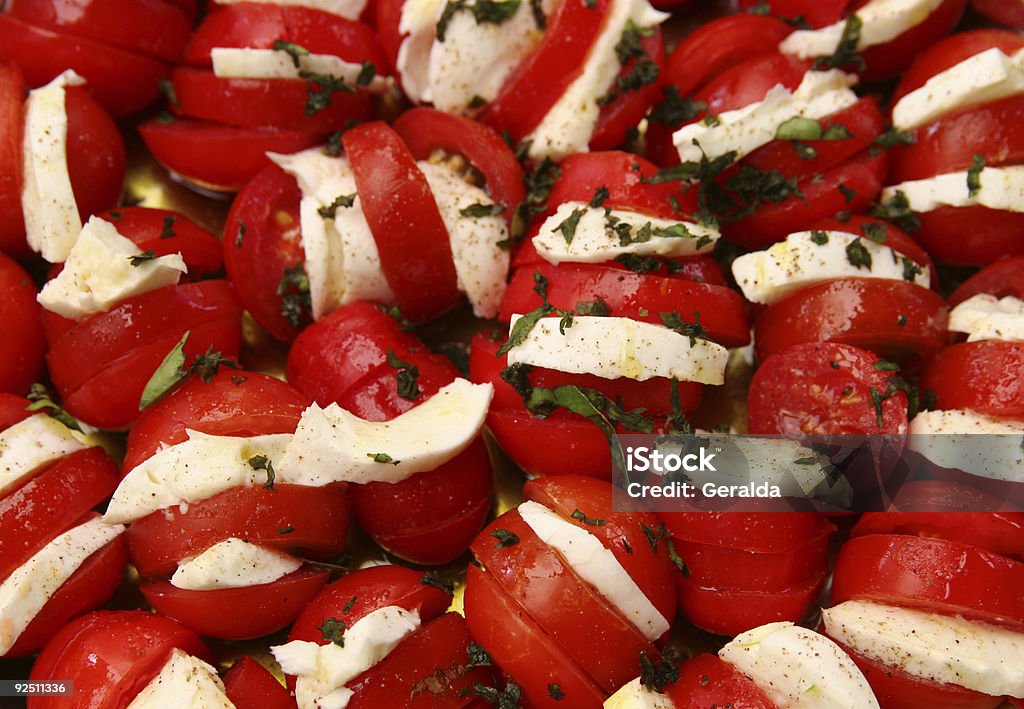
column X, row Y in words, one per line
column 350, row 9
column 322, row 671
column 985, row 317
column 342, row 261
column 568, row 125
column 744, row 130
column 333, row 445
column 28, row 444
column 950, row 439
column 239, row 63
column 978, row 656
column 29, row 587
column 481, row 265
column 987, row 76
column 596, row 565
column 770, row 275
column 48, row 202
column 612, row 347
column 594, row 241
column 634, row 695
column 233, row 563
column 1000, row 188
column 882, row 21
column 99, row 273
column 194, row 470
column 798, row 668
column 183, row 681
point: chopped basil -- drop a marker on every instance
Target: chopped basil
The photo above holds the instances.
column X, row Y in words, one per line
column 848, row 193
column 858, row 255
column 836, row 132
column 170, row 371
column 597, row 308
column 237, row 380
column 626, row 546
column 799, row 128
column 893, row 137
column 333, row 147
column 348, row 606
column 240, row 236
column 478, row 210
column 505, row 538
column 517, row 376
column 139, row 259
column 654, row 536
column 382, row 458
column 555, row 692
column 293, row 50
column 524, row 325
column 366, row 73
column 40, row 400
column 876, row 401
column 658, row 674
column 875, row 232
column 293, row 288
column 846, row 52
column 169, row 92
column 476, row 101
column 592, row 521
column 804, row 151
column 168, row 231
column 344, row 200
column 435, row 580
column 677, row 560
column 568, row 226
column 333, row 631
column 886, row 366
column 538, row 183
column 901, row 320
column 477, row 656
column 640, row 264
column 493, row 12
column 898, row 210
column 974, row 175
column 262, row 462
column 694, row 330
column 711, row 120
column 643, row 72
column 507, row 698
column 674, row 109
column 407, row 376
column 819, row 237
column 600, row 195
column 910, row 270
column 287, row 529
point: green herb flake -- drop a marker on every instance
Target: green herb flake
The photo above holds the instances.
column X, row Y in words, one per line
column 974, row 175
column 555, row 692
column 168, row 229
column 875, row 232
column 799, row 128
column 333, row 630
column 568, row 226
column 407, row 376
column 262, row 462
column 593, row 522
column 40, row 400
column 600, row 195
column 695, row 331
column 139, row 259
column 435, row 580
column 505, row 538
column 382, row 458
column 344, row 200
column 366, row 73
column 477, row 656
column 819, row 237
column 858, row 255
column 170, row 371
column 293, row 288
column 478, row 210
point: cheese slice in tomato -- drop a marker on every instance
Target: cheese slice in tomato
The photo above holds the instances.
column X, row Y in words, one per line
column 233, row 563
column 985, row 317
column 951, row 439
column 350, row 9
column 881, row 21
column 31, row 443
column 183, row 681
column 244, row 63
column 52, row 222
column 322, row 671
column 999, row 188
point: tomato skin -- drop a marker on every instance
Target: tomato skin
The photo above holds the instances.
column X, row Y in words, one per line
column 110, row 656
column 12, row 225
column 758, row 532
column 933, row 575
column 254, row 610
column 21, row 359
column 862, row 312
column 569, row 446
column 425, row 130
column 889, row 59
column 1007, row 14
column 706, row 681
column 165, row 233
column 981, row 376
column 249, row 685
column 12, row 410
column 996, row 532
column 1000, row 278
column 123, row 82
column 971, row 235
column 413, row 242
column 95, row 154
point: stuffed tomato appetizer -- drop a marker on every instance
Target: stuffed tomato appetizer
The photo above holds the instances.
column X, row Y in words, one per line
column 414, row 216
column 774, row 665
column 957, row 180
column 380, row 637
column 57, row 558
column 569, row 596
column 564, row 76
column 399, row 424
column 121, row 302
column 61, row 160
column 261, row 77
column 220, row 527
column 613, row 258
column 123, row 48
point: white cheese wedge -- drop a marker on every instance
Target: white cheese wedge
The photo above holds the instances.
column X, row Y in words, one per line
column 195, row 470
column 987, row 76
column 29, row 587
column 613, row 347
column 798, row 668
column 334, row 445
column 322, row 671
column 594, row 241
column 985, row 317
column 1000, row 188
column 882, row 21
column 233, row 563
column 951, row 439
column 744, row 130
column 770, row 275
column 240, row 63
column 981, row 657
column 183, row 681
column 52, row 222
column 99, row 273
column 342, row 261
column 568, row 125
column 350, row 9
column 481, row 266
column 596, row 565
column 28, row 444
column 634, row 695
column 471, row 62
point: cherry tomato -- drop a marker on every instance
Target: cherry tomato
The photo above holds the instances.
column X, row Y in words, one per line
column 1000, row 278
column 971, row 235
column 706, row 681
column 982, row 376
column 12, row 96
column 165, row 232
column 890, row 58
column 249, row 685
column 21, row 360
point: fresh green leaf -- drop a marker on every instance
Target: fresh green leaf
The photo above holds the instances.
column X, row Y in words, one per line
column 505, row 538
column 333, row 630
column 170, row 371
column 477, row 211
column 407, row 375
column 382, row 458
column 344, row 200
column 40, row 400
column 592, row 521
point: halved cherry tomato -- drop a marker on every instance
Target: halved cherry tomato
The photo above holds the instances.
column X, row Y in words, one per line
column 249, row 685
column 165, row 232
column 110, row 656
column 238, row 613
column 758, row 532
column 95, row 154
column 892, row 57
column 12, row 97
column 628, row 108
column 824, row 388
column 1000, row 278
column 706, row 681
column 21, row 359
column 933, row 575
column 986, row 376
column 551, row 446
column 971, row 235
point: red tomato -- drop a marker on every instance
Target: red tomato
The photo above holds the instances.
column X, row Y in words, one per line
column 12, row 410
column 165, row 232
column 12, row 96
column 21, row 359
column 249, row 685
column 893, row 319
column 757, row 532
column 627, row 109
column 413, row 242
column 706, row 681
column 889, row 59
column 824, row 388
column 110, row 656
column 986, row 376
column 95, row 153
column 238, row 613
column 817, row 14
column 156, row 29
column 933, row 575
column 971, row 235
column 425, row 130
column 1000, row 278
column 1007, row 14
column 123, row 82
